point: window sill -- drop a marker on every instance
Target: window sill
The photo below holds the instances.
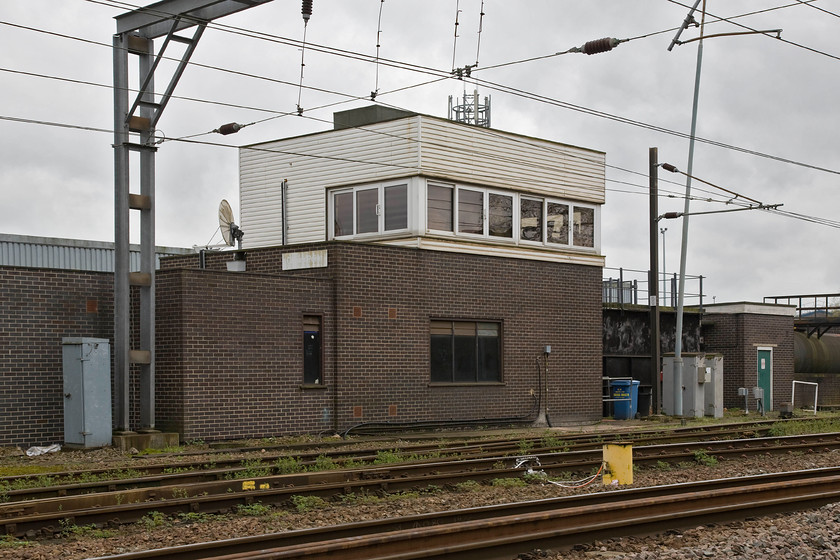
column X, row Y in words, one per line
column 306, row 386
column 467, row 384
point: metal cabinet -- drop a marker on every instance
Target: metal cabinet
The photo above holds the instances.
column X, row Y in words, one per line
column 87, row 392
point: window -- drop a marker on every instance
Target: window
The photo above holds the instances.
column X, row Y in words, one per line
column 530, row 219
column 557, row 223
column 470, row 211
column 343, row 211
column 367, row 203
column 501, row 215
column 312, row 370
column 396, row 207
column 465, row 352
column 584, row 228
column 439, row 207
column 369, row 210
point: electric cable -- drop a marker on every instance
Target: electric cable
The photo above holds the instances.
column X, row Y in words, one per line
column 585, row 110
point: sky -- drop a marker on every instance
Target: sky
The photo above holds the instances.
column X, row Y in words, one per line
column 767, row 116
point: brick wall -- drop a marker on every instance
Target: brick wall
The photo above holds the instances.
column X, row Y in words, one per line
column 384, row 298
column 229, row 360
column 38, row 308
column 738, row 337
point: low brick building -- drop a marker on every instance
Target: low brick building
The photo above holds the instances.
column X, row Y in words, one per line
column 756, row 341
column 405, row 336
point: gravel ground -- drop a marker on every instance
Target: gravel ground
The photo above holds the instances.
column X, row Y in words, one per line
column 805, row 535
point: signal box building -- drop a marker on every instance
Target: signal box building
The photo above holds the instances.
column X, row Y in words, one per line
column 398, row 268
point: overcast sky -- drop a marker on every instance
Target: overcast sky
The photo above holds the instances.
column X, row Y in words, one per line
column 765, row 100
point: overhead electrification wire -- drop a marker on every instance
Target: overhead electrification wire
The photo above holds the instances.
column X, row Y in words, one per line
column 491, row 85
column 812, row 219
column 811, row 5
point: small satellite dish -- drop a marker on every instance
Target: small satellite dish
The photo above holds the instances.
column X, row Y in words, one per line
column 230, row 231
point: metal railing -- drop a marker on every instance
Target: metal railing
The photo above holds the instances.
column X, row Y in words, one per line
column 632, row 287
column 813, row 306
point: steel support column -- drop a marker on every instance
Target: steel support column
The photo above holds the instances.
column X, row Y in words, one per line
column 135, row 33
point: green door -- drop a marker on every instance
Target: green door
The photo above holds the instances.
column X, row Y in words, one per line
column 765, row 376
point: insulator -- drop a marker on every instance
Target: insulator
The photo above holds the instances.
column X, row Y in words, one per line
column 599, row 45
column 306, row 10
column 669, row 167
column 230, row 128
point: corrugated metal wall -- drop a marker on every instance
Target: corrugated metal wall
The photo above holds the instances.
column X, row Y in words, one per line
column 418, row 145
column 71, row 254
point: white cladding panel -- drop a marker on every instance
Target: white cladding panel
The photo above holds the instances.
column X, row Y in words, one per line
column 497, row 159
column 406, row 147
column 311, row 164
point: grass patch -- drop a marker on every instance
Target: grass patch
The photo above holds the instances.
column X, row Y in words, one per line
column 252, row 468
column 388, row 457
column 195, row 517
column 703, row 458
column 802, row 427
column 551, row 441
column 468, row 486
column 663, row 466
column 257, row 509
column 361, row 498
column 9, row 541
column 153, row 520
column 322, row 463
column 308, row 503
column 508, row 482
column 70, row 530
column 288, row 465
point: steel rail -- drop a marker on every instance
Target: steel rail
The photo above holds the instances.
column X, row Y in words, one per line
column 130, row 505
column 204, row 471
column 503, row 531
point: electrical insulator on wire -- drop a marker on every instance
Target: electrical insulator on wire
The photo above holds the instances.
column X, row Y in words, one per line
column 598, row 45
column 306, row 10
column 669, row 167
column 228, row 128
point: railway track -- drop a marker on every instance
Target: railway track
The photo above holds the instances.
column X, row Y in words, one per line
column 127, row 501
column 220, row 464
column 502, row 531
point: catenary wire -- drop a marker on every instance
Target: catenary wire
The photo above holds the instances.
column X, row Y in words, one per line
column 534, row 97
column 789, row 214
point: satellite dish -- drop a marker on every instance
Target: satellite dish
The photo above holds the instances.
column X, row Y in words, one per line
column 230, row 231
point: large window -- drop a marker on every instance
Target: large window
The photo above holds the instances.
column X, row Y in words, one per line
column 369, row 210
column 515, row 217
column 465, row 351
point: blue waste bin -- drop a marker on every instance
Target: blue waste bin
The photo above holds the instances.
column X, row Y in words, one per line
column 627, row 393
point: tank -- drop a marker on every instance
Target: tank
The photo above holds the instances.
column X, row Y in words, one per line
column 816, row 355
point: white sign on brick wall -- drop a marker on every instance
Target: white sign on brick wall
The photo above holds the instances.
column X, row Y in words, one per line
column 305, row 259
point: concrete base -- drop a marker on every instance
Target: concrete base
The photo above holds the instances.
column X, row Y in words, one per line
column 147, row 440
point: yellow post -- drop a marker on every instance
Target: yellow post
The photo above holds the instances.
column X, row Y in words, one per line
column 618, row 459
